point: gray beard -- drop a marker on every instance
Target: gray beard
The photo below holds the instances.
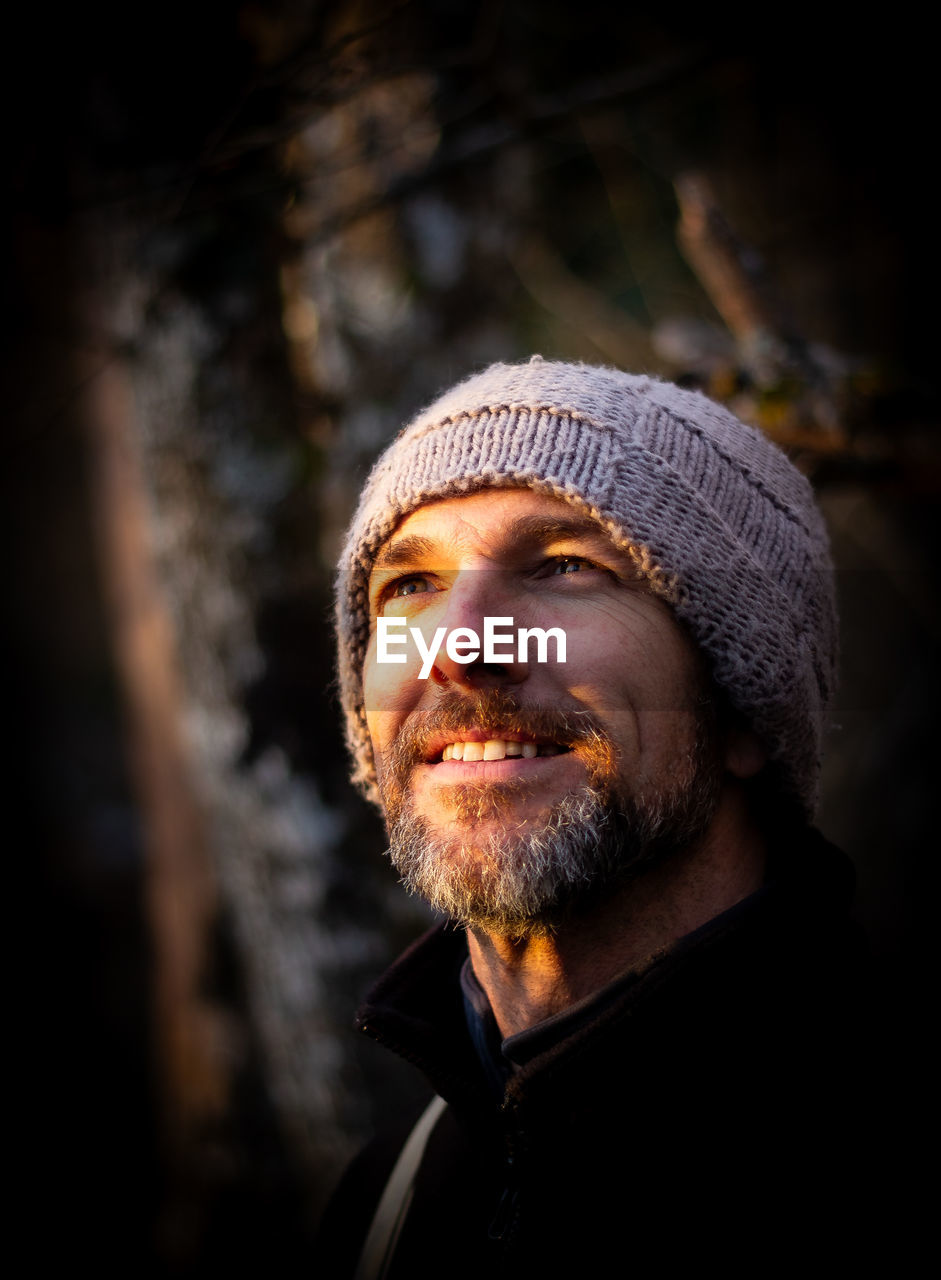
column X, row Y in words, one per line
column 526, row 881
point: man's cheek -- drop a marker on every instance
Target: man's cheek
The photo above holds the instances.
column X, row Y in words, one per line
column 390, row 789
column 388, row 696
column 383, row 725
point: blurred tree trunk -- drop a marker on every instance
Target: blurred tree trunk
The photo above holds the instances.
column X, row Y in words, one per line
column 180, row 892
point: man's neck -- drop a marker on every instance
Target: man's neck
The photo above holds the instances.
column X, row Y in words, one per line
column 529, row 979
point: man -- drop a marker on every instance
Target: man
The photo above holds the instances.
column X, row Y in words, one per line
column 647, row 1013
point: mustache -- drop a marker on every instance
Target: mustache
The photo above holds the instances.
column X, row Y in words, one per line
column 572, row 727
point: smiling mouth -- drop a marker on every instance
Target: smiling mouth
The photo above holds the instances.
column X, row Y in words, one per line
column 483, row 749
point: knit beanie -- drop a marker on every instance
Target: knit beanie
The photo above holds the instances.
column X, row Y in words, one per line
column 717, row 519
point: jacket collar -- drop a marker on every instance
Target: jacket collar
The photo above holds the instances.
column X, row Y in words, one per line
column 417, row 1010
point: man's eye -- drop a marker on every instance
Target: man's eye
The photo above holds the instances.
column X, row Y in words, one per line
column 571, row 564
column 407, row 587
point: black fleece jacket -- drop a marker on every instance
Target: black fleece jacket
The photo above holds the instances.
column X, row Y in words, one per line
column 732, row 1108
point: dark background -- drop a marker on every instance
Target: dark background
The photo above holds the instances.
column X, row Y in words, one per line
column 242, row 244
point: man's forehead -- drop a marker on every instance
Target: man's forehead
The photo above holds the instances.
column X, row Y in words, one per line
column 495, row 517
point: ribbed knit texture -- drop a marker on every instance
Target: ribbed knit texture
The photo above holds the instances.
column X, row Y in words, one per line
column 716, row 517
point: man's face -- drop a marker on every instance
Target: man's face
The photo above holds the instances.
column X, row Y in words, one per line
column 595, row 766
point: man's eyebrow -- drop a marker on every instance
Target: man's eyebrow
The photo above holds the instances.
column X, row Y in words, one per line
column 406, row 551
column 554, row 528
column 415, row 548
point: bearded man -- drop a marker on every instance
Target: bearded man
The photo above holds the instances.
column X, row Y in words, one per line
column 647, row 1013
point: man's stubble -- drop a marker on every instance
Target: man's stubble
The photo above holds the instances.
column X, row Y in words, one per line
column 523, row 878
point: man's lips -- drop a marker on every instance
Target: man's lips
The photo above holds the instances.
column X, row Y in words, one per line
column 534, row 770
column 474, row 746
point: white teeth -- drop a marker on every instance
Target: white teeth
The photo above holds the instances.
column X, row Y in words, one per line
column 498, row 749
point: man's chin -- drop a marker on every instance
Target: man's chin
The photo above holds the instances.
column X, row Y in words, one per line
column 468, row 881
column 474, row 852
column 500, row 873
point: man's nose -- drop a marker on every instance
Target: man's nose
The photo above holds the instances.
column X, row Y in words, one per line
column 474, row 596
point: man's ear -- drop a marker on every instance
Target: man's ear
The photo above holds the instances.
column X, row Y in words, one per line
column 745, row 753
